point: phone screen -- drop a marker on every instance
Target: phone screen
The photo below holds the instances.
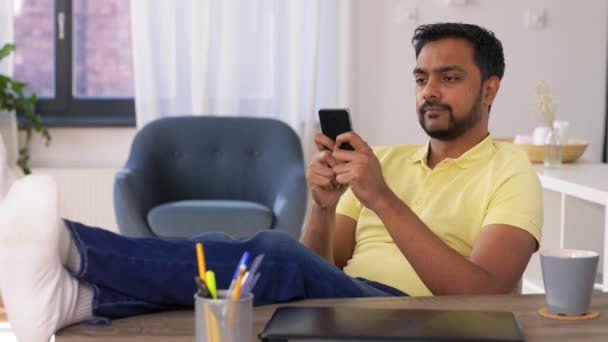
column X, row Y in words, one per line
column 335, row 122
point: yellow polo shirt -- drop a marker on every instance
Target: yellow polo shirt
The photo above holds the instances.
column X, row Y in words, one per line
column 493, row 183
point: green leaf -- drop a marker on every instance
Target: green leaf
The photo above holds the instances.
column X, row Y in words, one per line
column 12, row 97
column 18, row 87
column 6, row 50
column 23, row 160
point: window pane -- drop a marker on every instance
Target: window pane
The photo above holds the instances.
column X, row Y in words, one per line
column 102, row 49
column 34, row 58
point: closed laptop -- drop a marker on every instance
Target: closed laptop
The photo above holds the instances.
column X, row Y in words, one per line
column 371, row 324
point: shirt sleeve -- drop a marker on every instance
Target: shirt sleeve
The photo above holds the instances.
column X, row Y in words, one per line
column 349, row 205
column 518, row 202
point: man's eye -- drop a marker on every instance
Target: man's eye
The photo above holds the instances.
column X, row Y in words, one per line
column 451, row 78
column 420, row 80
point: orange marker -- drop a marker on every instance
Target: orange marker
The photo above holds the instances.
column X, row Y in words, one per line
column 200, row 257
column 237, row 288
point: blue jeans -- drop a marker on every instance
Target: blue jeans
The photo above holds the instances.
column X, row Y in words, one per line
column 132, row 276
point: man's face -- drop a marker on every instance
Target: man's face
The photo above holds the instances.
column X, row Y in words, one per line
column 449, row 95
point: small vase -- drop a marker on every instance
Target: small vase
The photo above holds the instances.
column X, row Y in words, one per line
column 552, row 157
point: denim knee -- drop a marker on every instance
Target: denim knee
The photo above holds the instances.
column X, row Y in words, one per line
column 274, row 243
column 213, row 236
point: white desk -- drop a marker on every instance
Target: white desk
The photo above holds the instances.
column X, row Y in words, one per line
column 584, row 181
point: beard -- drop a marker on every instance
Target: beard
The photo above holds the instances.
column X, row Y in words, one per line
column 456, row 127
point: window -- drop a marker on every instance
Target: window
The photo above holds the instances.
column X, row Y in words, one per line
column 76, row 56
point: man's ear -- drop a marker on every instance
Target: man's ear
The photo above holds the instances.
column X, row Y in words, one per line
column 491, row 86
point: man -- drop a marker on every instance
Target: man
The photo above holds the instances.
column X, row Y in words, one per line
column 464, row 212
column 461, row 214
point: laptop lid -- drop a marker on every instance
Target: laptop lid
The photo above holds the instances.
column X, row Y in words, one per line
column 370, row 324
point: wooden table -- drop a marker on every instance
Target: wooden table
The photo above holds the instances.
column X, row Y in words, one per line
column 179, row 325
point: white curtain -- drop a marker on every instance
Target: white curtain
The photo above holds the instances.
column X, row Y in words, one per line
column 272, row 58
column 6, row 34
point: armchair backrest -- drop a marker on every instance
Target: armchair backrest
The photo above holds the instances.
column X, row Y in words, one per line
column 210, row 157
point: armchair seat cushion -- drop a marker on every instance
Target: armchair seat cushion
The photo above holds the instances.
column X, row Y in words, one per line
column 239, row 219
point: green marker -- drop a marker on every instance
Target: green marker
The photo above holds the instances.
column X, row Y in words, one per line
column 210, row 277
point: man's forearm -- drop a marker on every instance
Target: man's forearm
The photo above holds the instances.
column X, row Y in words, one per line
column 318, row 231
column 442, row 269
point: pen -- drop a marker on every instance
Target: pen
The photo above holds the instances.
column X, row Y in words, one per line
column 255, row 265
column 200, row 257
column 245, row 281
column 237, row 288
column 245, row 288
column 243, row 261
column 211, row 283
column 255, row 280
column 212, row 326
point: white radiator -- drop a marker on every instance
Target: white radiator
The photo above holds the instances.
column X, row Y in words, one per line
column 85, row 195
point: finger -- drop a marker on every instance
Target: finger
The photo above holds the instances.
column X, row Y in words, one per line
column 321, row 157
column 320, row 181
column 322, row 170
column 324, row 177
column 346, row 156
column 354, row 140
column 342, row 168
column 326, row 158
column 323, row 142
column 344, row 178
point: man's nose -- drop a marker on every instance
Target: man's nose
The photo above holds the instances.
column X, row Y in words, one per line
column 431, row 90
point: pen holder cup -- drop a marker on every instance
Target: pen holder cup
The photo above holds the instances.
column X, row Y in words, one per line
column 223, row 319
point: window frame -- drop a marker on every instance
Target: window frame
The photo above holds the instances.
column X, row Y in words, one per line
column 605, row 146
column 65, row 110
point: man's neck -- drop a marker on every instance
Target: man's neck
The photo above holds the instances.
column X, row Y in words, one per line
column 441, row 149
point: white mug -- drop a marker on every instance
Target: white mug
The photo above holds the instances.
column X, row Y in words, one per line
column 540, row 135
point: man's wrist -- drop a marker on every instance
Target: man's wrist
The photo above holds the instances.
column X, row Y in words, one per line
column 324, row 210
column 387, row 204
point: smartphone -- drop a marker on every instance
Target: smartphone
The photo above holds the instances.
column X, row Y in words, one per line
column 335, row 121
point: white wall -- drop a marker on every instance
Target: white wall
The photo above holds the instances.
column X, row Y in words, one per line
column 569, row 53
column 83, row 148
column 83, row 161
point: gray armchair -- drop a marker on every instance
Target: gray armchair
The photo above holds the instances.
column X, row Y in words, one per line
column 189, row 175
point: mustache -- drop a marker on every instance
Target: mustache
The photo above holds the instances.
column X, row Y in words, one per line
column 433, row 103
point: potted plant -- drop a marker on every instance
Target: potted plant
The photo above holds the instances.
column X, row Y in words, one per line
column 12, row 100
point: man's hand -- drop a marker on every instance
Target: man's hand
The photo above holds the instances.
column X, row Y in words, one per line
column 321, row 178
column 361, row 170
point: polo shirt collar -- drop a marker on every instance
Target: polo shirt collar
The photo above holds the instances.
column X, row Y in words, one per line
column 479, row 152
column 421, row 154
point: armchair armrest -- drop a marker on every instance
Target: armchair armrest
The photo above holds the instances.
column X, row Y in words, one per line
column 132, row 201
column 289, row 203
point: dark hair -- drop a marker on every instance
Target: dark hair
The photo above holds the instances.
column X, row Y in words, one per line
column 487, row 48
